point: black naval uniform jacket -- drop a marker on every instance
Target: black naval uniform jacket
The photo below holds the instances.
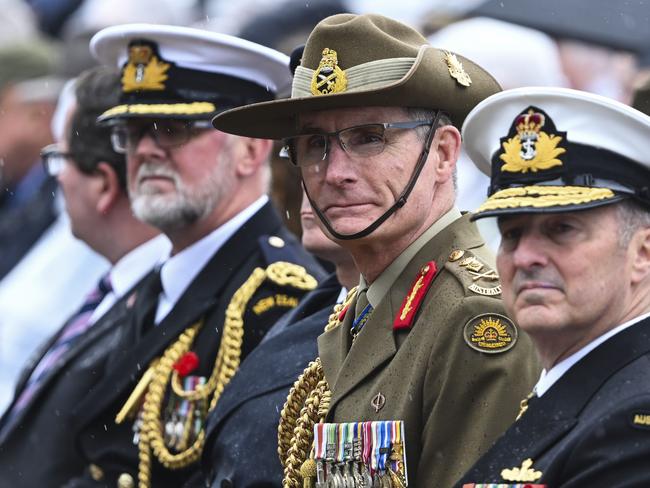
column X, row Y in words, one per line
column 109, row 446
column 43, row 427
column 242, row 444
column 591, row 429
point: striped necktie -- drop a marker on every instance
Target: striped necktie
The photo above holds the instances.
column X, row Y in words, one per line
column 70, row 333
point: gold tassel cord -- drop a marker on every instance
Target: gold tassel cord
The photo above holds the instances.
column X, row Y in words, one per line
column 307, row 404
column 226, row 364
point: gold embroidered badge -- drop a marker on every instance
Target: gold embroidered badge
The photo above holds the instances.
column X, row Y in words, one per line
column 328, row 77
column 144, row 71
column 455, row 255
column 524, row 473
column 490, row 333
column 531, row 149
column 456, row 70
column 641, row 420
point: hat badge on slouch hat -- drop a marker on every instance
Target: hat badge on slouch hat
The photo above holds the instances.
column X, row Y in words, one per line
column 328, row 77
column 563, row 150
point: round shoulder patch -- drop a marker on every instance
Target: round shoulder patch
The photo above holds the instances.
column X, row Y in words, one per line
column 491, row 333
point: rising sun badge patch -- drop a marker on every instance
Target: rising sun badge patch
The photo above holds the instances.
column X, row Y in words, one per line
column 491, row 333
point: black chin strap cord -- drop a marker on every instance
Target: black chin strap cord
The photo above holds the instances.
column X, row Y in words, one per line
column 399, row 203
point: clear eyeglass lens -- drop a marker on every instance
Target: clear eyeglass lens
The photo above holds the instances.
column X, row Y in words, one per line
column 362, row 141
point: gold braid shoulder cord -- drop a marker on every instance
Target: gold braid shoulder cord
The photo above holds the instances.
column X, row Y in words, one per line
column 307, row 405
column 226, row 364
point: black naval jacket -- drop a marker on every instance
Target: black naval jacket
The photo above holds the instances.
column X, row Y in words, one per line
column 44, row 425
column 590, row 429
column 108, row 446
column 242, row 444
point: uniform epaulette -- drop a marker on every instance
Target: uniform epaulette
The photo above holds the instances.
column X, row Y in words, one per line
column 474, row 273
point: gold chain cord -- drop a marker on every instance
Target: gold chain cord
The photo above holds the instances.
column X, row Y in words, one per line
column 306, row 405
column 226, row 364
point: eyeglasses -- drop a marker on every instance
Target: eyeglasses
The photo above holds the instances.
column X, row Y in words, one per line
column 166, row 133
column 358, row 141
column 54, row 160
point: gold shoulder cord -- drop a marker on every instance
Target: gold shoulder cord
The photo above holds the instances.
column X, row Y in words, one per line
column 226, row 364
column 307, row 405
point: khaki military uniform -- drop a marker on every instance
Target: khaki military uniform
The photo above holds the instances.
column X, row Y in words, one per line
column 454, row 400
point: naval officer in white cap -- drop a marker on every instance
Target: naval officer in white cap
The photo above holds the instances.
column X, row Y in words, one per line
column 570, row 188
column 233, row 268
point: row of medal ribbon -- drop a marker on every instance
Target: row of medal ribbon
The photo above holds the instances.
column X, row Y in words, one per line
column 360, row 454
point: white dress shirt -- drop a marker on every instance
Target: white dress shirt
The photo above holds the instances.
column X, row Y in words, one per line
column 179, row 271
column 130, row 269
column 548, row 378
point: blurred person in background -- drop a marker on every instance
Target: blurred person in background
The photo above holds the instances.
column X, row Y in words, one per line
column 598, row 52
column 29, row 90
column 516, row 56
column 67, row 366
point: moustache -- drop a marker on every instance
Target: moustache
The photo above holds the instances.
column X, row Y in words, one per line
column 536, row 278
column 153, row 170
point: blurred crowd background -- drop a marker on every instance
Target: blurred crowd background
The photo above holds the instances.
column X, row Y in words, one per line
column 601, row 46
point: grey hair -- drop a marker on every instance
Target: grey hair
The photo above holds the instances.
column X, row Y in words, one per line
column 415, row 113
column 631, row 218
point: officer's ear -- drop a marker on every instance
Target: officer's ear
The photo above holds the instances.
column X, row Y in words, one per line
column 640, row 246
column 109, row 187
column 254, row 154
column 446, row 148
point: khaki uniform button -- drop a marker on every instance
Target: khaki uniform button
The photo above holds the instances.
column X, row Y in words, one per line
column 125, row 481
column 96, row 472
column 276, row 241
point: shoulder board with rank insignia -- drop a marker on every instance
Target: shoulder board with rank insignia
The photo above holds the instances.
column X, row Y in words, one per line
column 476, row 275
column 411, row 304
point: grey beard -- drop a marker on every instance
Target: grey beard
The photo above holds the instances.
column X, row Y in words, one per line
column 166, row 214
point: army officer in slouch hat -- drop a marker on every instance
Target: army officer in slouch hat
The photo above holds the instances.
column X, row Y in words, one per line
column 421, row 369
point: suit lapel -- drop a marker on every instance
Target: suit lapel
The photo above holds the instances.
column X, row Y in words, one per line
column 202, row 294
column 116, row 313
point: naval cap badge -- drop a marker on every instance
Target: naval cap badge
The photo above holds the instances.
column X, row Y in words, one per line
column 532, row 144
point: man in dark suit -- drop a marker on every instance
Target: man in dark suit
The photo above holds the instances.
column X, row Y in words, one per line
column 573, row 206
column 242, row 442
column 28, row 94
column 66, row 367
column 233, row 268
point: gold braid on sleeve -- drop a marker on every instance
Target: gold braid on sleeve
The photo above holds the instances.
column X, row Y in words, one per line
column 307, row 404
column 163, row 375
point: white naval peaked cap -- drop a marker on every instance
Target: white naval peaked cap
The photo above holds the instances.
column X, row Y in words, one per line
column 557, row 149
column 172, row 71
